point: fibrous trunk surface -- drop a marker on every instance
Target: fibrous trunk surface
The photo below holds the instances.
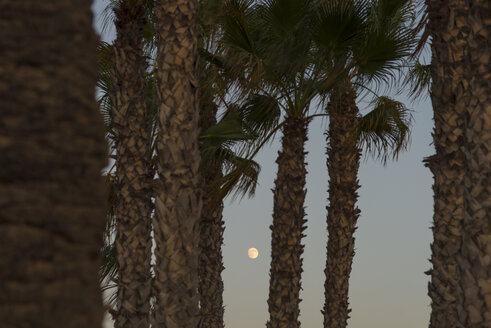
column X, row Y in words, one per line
column 287, row 228
column 342, row 213
column 133, row 170
column 474, row 260
column 211, row 234
column 52, row 194
column 448, row 96
column 178, row 201
column 211, row 260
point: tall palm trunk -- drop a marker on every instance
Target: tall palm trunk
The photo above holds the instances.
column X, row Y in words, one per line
column 474, row 259
column 178, row 201
column 287, row 228
column 211, row 235
column 52, row 194
column 343, row 164
column 449, row 104
column 133, row 170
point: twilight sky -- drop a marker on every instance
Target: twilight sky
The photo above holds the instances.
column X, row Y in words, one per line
column 388, row 287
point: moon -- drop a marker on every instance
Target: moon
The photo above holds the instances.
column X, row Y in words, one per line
column 252, row 253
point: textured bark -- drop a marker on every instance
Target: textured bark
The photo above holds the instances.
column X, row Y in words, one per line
column 474, row 259
column 52, row 194
column 178, row 201
column 211, row 235
column 287, row 228
column 133, row 169
column 343, row 164
column 448, row 95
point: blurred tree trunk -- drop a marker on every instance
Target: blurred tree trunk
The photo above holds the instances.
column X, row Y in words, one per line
column 343, row 164
column 52, row 194
column 133, row 169
column 178, row 200
column 448, row 96
column 287, row 228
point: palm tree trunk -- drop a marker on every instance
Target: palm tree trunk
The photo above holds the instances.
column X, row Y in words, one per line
column 343, row 164
column 178, row 201
column 133, row 170
column 449, row 104
column 211, row 235
column 474, row 259
column 287, row 228
column 211, row 259
column 52, row 194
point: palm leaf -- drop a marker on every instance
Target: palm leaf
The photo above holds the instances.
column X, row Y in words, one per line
column 385, row 131
column 104, row 84
column 387, row 41
column 260, row 113
column 240, row 176
column 418, row 79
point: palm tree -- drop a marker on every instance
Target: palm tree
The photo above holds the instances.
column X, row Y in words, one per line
column 223, row 172
column 211, row 228
column 288, row 58
column 53, row 149
column 211, row 225
column 177, row 199
column 109, row 267
column 448, row 164
column 343, row 163
column 267, row 39
column 383, row 130
column 218, row 143
column 134, row 175
column 474, row 257
column 460, row 276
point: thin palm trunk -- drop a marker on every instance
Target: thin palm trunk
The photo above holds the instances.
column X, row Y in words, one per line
column 52, row 194
column 211, row 236
column 287, row 228
column 343, row 164
column 133, row 170
column 178, row 201
column 474, row 259
column 449, row 104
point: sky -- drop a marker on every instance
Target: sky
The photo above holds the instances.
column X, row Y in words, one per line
column 388, row 287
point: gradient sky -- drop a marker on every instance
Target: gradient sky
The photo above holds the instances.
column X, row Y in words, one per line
column 388, row 287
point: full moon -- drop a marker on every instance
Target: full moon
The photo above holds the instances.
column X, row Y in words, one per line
column 252, row 253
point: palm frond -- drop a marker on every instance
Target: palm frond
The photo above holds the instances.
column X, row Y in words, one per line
column 418, row 79
column 338, row 24
column 385, row 131
column 388, row 40
column 109, row 268
column 421, row 31
column 237, row 33
column 240, row 176
column 104, row 84
column 227, row 131
column 260, row 113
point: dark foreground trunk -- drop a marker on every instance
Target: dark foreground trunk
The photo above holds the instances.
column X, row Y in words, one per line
column 287, row 228
column 133, row 169
column 343, row 164
column 52, row 194
column 474, row 259
column 447, row 165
